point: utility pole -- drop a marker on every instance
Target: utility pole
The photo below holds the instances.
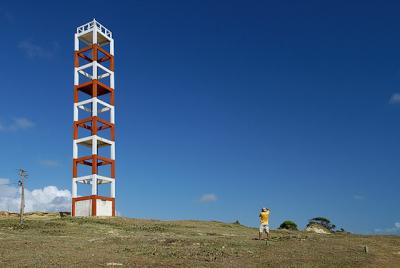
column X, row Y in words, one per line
column 22, row 174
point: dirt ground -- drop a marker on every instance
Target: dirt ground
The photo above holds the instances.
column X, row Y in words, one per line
column 50, row 241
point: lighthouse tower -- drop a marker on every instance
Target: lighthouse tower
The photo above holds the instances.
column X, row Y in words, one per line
column 94, row 122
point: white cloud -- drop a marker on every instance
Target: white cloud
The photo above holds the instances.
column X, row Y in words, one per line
column 18, row 123
column 391, row 230
column 33, row 50
column 207, row 198
column 395, row 98
column 7, row 16
column 49, row 163
column 22, row 123
column 50, row 198
column 358, row 197
column 4, row 181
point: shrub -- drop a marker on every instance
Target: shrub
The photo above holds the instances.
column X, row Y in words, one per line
column 323, row 222
column 342, row 231
column 288, row 225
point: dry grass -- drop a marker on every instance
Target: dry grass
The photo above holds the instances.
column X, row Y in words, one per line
column 47, row 240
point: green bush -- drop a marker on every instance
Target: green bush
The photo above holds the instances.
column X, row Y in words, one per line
column 323, row 222
column 288, row 225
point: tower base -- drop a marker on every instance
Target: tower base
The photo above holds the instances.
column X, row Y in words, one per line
column 93, row 205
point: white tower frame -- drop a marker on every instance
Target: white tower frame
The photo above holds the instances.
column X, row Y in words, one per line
column 98, row 39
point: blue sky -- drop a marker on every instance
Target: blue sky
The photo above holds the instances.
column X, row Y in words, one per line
column 222, row 107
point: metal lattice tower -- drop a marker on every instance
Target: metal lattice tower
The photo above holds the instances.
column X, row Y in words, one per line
column 94, row 120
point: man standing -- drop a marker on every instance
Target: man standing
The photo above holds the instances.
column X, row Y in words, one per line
column 264, row 227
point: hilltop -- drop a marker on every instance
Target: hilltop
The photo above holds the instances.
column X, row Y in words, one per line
column 49, row 240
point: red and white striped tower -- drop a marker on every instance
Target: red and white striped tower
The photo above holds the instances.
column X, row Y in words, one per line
column 94, row 128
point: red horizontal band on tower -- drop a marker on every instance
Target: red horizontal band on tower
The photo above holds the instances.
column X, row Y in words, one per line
column 94, row 55
column 94, row 88
column 93, row 128
column 85, row 160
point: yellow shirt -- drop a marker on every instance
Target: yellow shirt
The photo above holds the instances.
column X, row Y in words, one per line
column 264, row 217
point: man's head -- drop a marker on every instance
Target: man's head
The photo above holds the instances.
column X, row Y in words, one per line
column 263, row 209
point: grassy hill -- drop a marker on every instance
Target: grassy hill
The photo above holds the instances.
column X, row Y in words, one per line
column 48, row 240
